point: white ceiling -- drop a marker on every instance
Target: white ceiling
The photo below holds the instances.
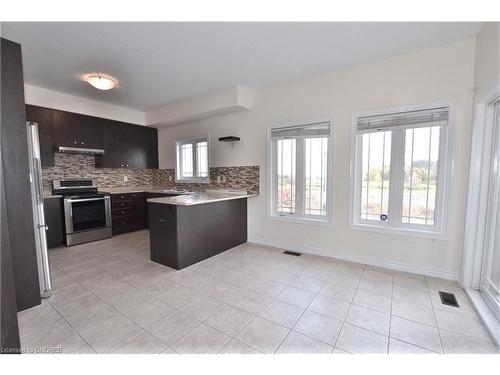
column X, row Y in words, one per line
column 157, row 63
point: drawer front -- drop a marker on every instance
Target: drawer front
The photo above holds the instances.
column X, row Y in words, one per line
column 122, row 212
column 128, row 212
column 125, row 196
column 117, row 205
column 123, row 222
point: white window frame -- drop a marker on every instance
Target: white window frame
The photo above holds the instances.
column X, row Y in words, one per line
column 178, row 161
column 303, row 218
column 445, row 167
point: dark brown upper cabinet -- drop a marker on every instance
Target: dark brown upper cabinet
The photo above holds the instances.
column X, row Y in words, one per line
column 125, row 145
column 43, row 117
column 75, row 130
column 151, row 142
column 128, row 146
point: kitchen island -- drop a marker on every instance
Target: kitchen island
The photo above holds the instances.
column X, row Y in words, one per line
column 187, row 229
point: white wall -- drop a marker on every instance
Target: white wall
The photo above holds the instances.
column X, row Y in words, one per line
column 214, row 103
column 57, row 100
column 487, row 60
column 444, row 73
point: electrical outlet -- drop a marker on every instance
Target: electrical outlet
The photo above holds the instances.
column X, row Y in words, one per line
column 125, row 178
column 170, row 178
column 218, row 179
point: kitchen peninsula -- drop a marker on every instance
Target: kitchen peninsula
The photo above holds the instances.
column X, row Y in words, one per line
column 187, row 229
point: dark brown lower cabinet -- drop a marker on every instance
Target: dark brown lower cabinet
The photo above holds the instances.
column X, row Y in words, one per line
column 54, row 221
column 183, row 235
column 128, row 212
column 151, row 195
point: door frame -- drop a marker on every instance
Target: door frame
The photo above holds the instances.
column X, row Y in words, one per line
column 477, row 206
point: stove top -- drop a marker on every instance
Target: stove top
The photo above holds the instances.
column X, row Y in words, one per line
column 85, row 195
column 76, row 188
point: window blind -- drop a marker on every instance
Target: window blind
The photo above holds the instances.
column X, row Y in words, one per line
column 306, row 130
column 412, row 119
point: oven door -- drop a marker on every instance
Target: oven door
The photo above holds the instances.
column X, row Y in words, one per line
column 83, row 214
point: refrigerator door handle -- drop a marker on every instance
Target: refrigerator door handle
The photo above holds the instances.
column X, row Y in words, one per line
column 38, row 211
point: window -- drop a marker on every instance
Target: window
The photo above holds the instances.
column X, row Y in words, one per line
column 300, row 160
column 400, row 171
column 192, row 160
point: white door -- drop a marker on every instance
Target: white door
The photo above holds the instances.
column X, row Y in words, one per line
column 490, row 272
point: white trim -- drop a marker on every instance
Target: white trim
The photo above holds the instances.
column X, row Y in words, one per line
column 492, row 325
column 362, row 259
column 445, row 159
column 178, row 168
column 306, row 219
column 477, row 198
column 398, row 231
column 302, row 220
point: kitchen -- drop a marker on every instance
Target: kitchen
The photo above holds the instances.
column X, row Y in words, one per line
column 89, row 156
column 240, row 215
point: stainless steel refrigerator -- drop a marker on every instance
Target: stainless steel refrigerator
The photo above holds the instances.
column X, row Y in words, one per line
column 40, row 227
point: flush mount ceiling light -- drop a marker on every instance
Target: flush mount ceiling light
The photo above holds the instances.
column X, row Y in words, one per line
column 101, row 82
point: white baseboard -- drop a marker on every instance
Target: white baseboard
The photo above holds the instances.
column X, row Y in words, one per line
column 343, row 255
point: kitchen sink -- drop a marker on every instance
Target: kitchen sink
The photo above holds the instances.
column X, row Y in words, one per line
column 177, row 191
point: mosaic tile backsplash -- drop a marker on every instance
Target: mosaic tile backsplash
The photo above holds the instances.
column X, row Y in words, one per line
column 68, row 166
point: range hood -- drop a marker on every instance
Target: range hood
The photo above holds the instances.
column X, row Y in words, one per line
column 79, row 150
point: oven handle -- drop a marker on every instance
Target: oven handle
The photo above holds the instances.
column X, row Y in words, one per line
column 85, row 199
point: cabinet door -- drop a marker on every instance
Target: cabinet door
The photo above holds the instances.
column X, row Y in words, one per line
column 65, row 129
column 146, row 206
column 53, row 219
column 75, row 130
column 139, row 209
column 114, row 155
column 90, row 131
column 43, row 117
column 133, row 143
column 152, row 148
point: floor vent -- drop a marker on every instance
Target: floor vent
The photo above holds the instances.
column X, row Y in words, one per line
column 448, row 299
column 292, row 253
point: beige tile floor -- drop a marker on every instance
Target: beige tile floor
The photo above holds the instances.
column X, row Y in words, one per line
column 109, row 298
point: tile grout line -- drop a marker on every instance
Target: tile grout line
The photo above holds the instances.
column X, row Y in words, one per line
column 303, row 312
column 343, row 322
column 274, row 299
column 390, row 316
column 77, row 333
column 92, row 292
column 434, row 314
column 290, row 265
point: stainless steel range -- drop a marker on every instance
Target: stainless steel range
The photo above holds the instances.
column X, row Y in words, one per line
column 87, row 212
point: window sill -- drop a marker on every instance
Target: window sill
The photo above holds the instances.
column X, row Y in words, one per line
column 192, row 181
column 301, row 220
column 399, row 231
